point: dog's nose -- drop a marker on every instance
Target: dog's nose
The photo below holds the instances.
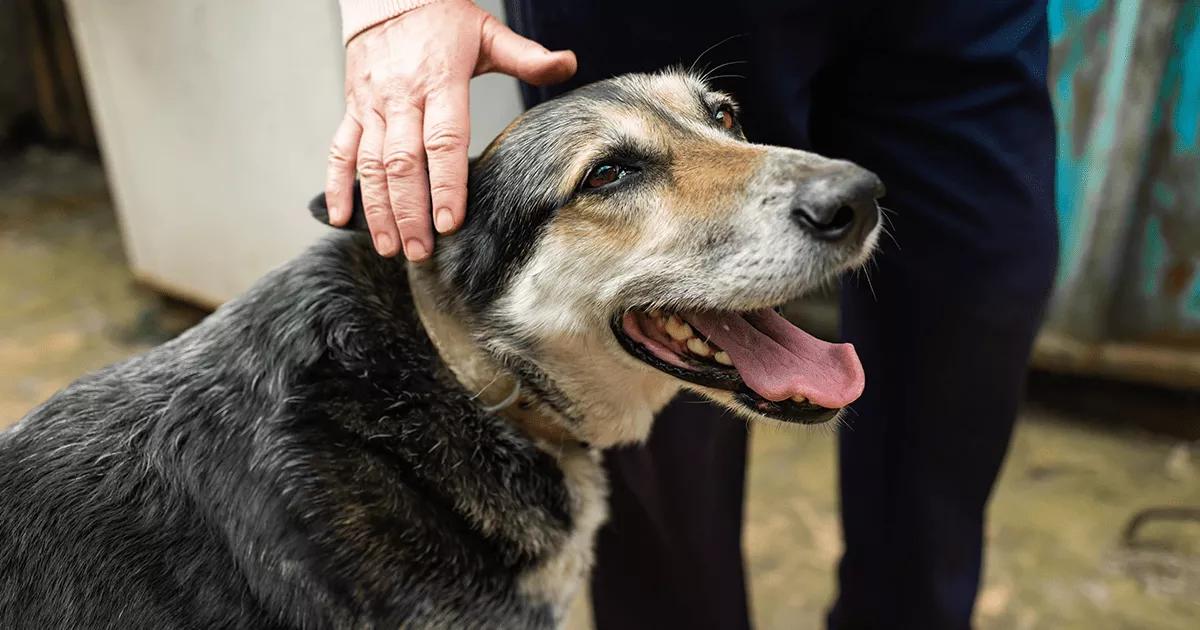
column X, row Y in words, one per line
column 838, row 204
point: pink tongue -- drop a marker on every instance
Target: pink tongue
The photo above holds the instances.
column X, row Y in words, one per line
column 778, row 360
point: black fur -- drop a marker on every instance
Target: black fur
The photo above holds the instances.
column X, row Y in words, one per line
column 472, row 280
column 499, row 241
column 299, row 459
column 358, row 217
column 499, row 231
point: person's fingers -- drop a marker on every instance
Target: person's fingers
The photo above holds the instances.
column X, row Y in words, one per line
column 502, row 50
column 339, row 177
column 374, row 185
column 407, row 183
column 447, row 127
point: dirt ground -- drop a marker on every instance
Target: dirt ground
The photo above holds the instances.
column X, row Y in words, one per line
column 1087, row 455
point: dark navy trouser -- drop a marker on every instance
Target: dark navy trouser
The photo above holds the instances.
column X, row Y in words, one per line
column 946, row 100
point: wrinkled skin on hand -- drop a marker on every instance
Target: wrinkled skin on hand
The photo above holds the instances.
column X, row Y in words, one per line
column 407, row 122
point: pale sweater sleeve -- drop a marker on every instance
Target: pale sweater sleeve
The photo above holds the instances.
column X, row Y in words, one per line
column 359, row 15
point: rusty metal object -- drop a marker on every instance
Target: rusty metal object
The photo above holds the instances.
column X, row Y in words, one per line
column 1125, row 77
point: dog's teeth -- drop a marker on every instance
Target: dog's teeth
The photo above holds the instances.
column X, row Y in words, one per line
column 677, row 329
column 697, row 346
column 654, row 313
column 799, row 399
column 722, row 357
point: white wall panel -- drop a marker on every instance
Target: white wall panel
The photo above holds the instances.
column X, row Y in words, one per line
column 214, row 119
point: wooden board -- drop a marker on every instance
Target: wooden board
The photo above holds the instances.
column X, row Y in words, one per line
column 1125, row 361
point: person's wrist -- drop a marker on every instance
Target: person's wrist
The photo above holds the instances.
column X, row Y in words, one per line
column 361, row 15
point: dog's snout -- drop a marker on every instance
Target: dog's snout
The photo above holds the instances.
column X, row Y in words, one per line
column 838, row 204
column 828, row 222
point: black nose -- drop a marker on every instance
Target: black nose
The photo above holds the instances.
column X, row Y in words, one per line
column 838, row 204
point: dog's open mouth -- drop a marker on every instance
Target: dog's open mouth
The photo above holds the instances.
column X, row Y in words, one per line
column 771, row 366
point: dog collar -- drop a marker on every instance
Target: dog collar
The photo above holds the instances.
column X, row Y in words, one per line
column 508, row 401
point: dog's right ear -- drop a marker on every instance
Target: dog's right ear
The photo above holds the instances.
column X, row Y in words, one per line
column 358, row 217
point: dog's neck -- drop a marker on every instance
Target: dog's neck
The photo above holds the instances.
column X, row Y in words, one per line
column 497, row 389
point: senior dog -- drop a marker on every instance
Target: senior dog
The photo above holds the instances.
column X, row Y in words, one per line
column 357, row 442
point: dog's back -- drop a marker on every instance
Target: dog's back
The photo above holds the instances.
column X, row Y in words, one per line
column 299, row 459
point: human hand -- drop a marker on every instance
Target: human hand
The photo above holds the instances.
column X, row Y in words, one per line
column 407, row 121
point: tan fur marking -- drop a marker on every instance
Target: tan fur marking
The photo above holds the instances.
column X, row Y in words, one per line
column 592, row 221
column 677, row 97
column 710, row 178
column 536, row 426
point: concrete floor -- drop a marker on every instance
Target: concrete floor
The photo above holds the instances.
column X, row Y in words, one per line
column 1086, row 457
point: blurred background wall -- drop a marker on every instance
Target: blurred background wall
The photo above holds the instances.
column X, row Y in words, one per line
column 41, row 91
column 215, row 119
column 1125, row 77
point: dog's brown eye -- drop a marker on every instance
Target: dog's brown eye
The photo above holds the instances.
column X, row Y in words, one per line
column 725, row 117
column 603, row 175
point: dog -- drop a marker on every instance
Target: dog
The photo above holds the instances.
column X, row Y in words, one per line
column 357, row 442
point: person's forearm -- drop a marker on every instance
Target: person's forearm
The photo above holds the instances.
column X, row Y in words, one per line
column 359, row 15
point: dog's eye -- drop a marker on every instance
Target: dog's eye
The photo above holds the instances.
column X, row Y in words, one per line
column 725, row 117
column 603, row 175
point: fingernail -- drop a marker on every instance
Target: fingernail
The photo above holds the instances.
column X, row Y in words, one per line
column 444, row 220
column 415, row 250
column 384, row 244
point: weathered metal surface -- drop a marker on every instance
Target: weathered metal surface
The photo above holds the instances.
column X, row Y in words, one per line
column 1109, row 62
column 1160, row 291
column 1125, row 78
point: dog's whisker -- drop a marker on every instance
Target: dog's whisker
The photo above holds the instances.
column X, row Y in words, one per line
column 842, row 422
column 887, row 232
column 885, row 223
column 692, row 67
column 708, row 74
column 870, row 285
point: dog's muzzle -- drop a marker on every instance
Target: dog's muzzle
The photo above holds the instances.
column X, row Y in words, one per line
column 838, row 204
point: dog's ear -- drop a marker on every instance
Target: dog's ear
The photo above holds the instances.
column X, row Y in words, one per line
column 358, row 217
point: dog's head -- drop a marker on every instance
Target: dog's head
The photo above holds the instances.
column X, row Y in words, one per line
column 625, row 240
